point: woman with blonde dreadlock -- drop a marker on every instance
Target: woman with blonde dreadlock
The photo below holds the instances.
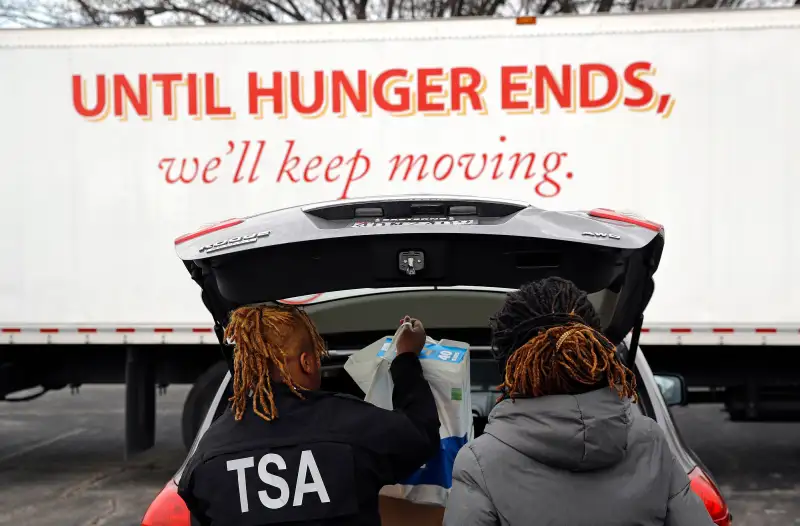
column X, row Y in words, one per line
column 562, row 447
column 289, row 453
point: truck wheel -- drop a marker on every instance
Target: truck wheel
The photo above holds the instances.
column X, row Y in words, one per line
column 199, row 400
column 735, row 404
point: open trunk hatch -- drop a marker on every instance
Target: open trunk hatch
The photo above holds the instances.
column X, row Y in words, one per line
column 415, row 241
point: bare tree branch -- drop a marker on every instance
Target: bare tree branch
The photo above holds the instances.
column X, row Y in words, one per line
column 192, row 11
column 566, row 6
column 604, row 6
column 71, row 13
column 89, row 12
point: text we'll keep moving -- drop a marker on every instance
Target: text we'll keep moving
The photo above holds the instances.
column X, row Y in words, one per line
column 300, row 164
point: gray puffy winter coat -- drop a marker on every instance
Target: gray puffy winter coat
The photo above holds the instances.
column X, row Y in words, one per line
column 584, row 460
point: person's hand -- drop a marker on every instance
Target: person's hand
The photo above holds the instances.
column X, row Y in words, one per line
column 412, row 338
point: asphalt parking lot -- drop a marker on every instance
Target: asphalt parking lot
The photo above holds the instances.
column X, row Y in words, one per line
column 61, row 461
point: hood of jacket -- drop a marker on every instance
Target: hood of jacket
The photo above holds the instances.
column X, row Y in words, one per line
column 582, row 432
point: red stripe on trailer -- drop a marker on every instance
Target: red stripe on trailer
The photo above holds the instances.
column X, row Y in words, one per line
column 208, row 330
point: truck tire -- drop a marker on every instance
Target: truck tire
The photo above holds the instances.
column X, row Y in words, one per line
column 736, row 404
column 199, row 400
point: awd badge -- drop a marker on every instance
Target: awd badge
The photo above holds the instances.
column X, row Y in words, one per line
column 601, row 235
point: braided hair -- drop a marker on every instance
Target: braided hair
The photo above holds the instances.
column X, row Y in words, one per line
column 547, row 338
column 258, row 333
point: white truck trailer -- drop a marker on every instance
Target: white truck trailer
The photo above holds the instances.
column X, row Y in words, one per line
column 116, row 141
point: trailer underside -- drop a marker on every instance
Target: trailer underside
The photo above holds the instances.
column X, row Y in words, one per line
column 754, row 383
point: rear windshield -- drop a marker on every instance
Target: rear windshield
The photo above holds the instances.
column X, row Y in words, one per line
column 604, row 301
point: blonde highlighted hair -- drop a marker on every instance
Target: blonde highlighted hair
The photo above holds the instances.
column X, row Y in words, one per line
column 259, row 333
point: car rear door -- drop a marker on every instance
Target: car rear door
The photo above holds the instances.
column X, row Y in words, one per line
column 417, row 241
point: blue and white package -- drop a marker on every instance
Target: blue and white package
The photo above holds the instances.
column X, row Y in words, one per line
column 445, row 364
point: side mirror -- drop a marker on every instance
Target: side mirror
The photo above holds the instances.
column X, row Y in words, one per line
column 673, row 389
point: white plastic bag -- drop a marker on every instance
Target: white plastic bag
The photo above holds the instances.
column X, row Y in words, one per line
column 445, row 365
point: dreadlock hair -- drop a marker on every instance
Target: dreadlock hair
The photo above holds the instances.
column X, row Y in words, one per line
column 548, row 340
column 258, row 333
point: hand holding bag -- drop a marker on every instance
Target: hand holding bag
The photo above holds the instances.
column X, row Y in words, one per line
column 445, row 365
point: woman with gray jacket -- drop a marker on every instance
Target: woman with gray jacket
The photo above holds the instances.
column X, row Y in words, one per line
column 563, row 446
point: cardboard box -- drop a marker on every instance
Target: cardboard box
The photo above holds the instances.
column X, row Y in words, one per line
column 396, row 512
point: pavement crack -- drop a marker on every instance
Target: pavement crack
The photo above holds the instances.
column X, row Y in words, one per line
column 70, row 492
column 101, row 519
column 83, row 485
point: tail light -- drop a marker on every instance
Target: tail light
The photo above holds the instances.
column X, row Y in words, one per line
column 711, row 497
column 208, row 229
column 631, row 219
column 168, row 509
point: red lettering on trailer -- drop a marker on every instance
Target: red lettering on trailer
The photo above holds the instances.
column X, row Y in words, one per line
column 214, row 108
column 97, row 111
column 118, row 93
column 293, row 166
column 430, row 90
column 592, row 87
column 126, row 94
column 257, row 95
column 168, row 82
column 314, row 108
column 467, row 87
column 633, row 77
column 542, row 167
column 589, row 98
column 546, row 169
column 343, row 90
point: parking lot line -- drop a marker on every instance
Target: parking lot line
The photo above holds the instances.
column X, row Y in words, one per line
column 41, row 444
